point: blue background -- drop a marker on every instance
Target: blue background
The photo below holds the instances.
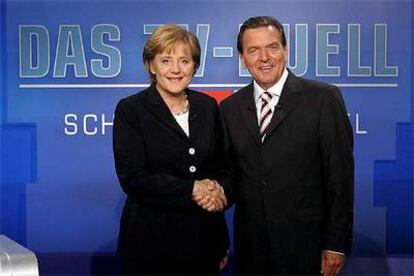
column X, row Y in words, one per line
column 59, row 194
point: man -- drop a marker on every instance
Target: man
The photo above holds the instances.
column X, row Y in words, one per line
column 289, row 142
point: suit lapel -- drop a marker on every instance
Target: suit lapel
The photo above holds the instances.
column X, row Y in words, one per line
column 248, row 111
column 288, row 100
column 158, row 108
column 195, row 118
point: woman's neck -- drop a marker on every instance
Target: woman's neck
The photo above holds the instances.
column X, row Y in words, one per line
column 177, row 103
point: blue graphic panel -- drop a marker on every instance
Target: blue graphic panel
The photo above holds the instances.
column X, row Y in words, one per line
column 19, row 168
column 394, row 190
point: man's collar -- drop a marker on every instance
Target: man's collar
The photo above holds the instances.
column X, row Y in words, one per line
column 275, row 90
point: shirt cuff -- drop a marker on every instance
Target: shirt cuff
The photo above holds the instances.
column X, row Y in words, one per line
column 335, row 252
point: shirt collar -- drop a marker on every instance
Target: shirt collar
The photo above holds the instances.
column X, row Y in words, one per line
column 275, row 90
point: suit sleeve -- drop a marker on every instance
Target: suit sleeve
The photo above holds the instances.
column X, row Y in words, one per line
column 220, row 172
column 336, row 142
column 227, row 172
column 130, row 163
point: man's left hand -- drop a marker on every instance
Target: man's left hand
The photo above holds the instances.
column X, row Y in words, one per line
column 331, row 263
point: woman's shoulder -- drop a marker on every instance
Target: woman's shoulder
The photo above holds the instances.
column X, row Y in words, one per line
column 133, row 100
column 201, row 97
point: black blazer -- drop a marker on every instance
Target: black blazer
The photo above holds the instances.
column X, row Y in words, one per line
column 294, row 191
column 157, row 163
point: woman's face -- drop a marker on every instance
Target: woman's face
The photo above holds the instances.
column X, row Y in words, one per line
column 173, row 69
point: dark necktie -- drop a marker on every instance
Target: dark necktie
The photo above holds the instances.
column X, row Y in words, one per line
column 265, row 114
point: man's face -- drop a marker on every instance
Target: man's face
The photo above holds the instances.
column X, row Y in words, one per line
column 263, row 55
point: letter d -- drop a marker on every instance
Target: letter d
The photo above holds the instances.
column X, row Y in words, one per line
column 34, row 65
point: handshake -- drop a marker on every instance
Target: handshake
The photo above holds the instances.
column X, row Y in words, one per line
column 209, row 195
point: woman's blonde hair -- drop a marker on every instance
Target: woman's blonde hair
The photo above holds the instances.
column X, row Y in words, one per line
column 164, row 39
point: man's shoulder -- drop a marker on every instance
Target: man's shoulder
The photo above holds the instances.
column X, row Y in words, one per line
column 234, row 98
column 315, row 85
column 320, row 90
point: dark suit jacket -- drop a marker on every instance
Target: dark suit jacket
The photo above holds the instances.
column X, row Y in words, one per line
column 153, row 159
column 294, row 191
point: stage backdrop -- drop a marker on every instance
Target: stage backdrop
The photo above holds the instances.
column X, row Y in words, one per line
column 65, row 65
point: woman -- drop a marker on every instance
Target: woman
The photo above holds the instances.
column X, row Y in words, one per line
column 165, row 142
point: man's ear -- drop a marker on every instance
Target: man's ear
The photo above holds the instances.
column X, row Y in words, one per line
column 242, row 60
column 286, row 52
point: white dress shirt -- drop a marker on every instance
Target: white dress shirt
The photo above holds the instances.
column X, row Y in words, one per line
column 275, row 90
column 182, row 120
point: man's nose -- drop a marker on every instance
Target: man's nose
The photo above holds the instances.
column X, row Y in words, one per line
column 264, row 55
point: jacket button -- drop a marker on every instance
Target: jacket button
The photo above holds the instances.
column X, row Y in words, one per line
column 191, row 151
column 192, row 169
